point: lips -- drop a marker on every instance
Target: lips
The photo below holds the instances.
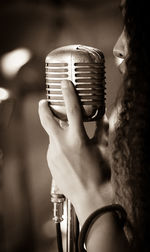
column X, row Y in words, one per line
column 121, row 65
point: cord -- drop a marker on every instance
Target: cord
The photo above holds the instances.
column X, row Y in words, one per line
column 74, row 233
column 77, row 233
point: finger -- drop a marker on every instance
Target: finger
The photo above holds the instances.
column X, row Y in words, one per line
column 72, row 105
column 102, row 131
column 47, row 118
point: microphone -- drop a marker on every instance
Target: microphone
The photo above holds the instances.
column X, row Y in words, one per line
column 85, row 67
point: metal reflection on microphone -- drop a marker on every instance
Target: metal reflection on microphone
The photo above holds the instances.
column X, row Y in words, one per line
column 85, row 67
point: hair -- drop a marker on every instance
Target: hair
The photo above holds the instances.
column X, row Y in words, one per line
column 131, row 154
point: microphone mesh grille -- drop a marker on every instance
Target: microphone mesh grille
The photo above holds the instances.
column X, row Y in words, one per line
column 87, row 76
column 89, row 82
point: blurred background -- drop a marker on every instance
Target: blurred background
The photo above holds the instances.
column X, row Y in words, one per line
column 29, row 30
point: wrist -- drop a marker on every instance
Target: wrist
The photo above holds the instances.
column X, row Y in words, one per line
column 90, row 200
column 100, row 224
column 85, row 207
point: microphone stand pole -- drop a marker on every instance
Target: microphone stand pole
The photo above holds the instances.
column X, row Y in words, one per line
column 72, row 232
column 72, row 229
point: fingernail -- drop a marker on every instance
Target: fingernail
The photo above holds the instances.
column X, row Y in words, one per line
column 64, row 84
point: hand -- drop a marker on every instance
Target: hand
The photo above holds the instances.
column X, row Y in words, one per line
column 76, row 162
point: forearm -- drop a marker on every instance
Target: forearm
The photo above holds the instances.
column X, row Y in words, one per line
column 106, row 235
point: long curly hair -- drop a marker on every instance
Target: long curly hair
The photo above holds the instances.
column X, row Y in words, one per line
column 131, row 155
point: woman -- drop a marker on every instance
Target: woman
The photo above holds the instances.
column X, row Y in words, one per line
column 82, row 170
column 131, row 168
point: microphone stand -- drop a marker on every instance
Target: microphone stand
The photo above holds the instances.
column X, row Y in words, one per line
column 72, row 229
column 72, row 232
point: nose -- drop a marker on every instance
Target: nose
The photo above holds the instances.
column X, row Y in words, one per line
column 120, row 48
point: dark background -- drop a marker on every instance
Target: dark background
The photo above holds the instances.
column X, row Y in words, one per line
column 39, row 27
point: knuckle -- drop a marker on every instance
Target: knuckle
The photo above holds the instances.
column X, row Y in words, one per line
column 73, row 109
column 79, row 142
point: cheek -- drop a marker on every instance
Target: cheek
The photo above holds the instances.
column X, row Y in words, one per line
column 113, row 119
column 125, row 43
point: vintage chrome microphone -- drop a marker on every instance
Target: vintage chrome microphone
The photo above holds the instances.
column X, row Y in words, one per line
column 85, row 67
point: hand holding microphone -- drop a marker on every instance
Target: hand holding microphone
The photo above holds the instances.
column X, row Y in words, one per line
column 75, row 161
column 85, row 67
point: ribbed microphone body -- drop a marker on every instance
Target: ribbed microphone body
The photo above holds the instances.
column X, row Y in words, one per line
column 85, row 67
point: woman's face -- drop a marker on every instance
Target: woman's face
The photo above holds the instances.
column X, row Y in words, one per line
column 120, row 52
